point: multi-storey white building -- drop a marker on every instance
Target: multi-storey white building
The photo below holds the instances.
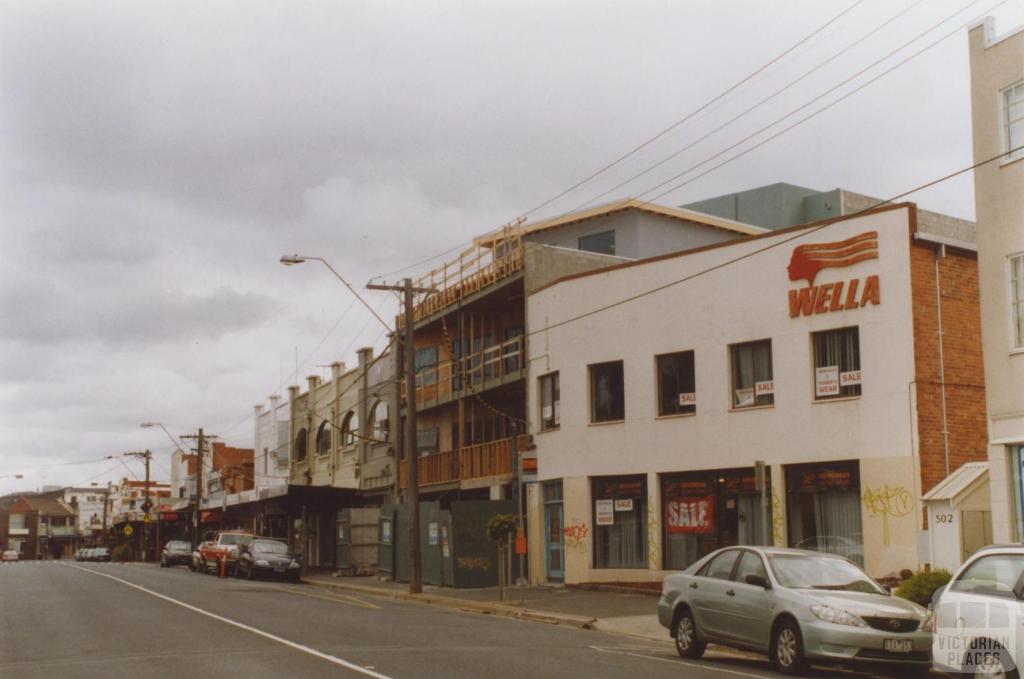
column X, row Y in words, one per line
column 271, row 441
column 88, row 504
column 656, row 385
column 997, row 107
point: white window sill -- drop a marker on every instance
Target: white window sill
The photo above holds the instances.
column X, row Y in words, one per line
column 549, row 429
column 1010, row 161
column 1019, row 351
column 674, row 416
column 746, row 408
column 835, row 400
column 602, row 424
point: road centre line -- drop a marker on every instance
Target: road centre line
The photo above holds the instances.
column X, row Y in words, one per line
column 267, row 635
column 679, row 661
column 338, row 599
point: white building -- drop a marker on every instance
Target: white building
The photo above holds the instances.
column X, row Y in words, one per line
column 88, row 505
column 271, row 442
column 654, row 387
column 997, row 107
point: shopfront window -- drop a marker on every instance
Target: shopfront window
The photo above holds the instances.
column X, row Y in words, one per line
column 823, row 502
column 707, row 510
column 620, row 521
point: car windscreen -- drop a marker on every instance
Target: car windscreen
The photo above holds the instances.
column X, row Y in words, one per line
column 269, row 547
column 235, row 539
column 178, row 546
column 821, row 572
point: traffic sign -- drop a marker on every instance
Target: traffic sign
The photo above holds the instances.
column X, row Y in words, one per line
column 128, row 531
column 147, row 518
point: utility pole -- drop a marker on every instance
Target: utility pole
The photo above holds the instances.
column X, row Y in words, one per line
column 200, row 448
column 106, row 502
column 412, row 493
column 146, row 455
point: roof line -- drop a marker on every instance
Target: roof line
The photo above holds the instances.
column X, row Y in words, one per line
column 728, row 243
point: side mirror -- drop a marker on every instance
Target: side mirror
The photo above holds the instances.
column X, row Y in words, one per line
column 758, row 580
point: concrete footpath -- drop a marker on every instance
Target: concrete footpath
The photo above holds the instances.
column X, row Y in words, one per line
column 620, row 611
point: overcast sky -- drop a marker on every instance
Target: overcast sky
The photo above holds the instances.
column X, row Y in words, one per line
column 156, row 159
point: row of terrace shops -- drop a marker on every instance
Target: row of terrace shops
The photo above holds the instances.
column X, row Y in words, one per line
column 637, row 527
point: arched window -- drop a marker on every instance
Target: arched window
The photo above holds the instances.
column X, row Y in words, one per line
column 299, row 445
column 379, row 421
column 349, row 428
column 323, row 438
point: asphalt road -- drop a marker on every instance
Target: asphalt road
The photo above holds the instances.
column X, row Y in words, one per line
column 63, row 619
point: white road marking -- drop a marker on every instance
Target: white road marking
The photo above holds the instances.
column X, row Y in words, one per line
column 267, row 635
column 680, row 661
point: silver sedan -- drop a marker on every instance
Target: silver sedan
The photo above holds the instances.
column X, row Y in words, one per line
column 796, row 606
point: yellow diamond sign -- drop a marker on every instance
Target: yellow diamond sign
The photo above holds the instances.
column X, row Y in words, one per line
column 128, row 531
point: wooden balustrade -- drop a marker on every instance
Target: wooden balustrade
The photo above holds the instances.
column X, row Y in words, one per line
column 493, row 364
column 480, row 460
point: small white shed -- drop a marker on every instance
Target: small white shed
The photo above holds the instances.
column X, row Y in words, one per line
column 959, row 516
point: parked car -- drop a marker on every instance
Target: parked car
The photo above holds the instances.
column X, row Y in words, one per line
column 223, row 547
column 176, row 552
column 99, row 554
column 798, row 607
column 267, row 557
column 9, row 555
column 979, row 614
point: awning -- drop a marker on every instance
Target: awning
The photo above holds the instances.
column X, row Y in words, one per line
column 959, row 483
column 210, row 517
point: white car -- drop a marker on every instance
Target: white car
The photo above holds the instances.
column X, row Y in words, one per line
column 9, row 555
column 978, row 622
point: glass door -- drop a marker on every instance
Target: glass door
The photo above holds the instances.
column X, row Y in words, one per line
column 554, row 527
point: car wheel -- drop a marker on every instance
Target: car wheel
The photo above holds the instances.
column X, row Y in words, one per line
column 684, row 631
column 989, row 660
column 787, row 650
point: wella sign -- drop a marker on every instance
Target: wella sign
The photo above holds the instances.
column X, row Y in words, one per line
column 808, row 260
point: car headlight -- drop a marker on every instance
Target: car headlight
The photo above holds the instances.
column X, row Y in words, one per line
column 262, row 562
column 836, row 616
column 293, row 564
column 926, row 621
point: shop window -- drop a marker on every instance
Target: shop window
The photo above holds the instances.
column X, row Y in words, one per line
column 677, row 391
column 550, row 406
column 607, row 400
column 707, row 510
column 836, row 363
column 620, row 522
column 299, row 445
column 823, row 508
column 1017, row 295
column 753, row 383
column 380, row 421
column 602, row 243
column 349, row 428
column 323, row 438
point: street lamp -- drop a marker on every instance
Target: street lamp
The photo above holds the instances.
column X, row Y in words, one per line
column 290, row 260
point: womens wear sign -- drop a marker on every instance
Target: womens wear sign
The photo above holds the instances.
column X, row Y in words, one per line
column 690, row 515
column 604, row 512
column 826, row 381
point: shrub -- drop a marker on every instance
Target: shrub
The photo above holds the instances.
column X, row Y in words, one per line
column 501, row 527
column 121, row 553
column 920, row 587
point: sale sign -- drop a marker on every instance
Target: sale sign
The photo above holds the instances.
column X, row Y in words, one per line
column 690, row 515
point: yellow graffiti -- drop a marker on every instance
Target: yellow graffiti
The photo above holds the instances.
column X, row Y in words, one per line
column 777, row 520
column 652, row 535
column 886, row 502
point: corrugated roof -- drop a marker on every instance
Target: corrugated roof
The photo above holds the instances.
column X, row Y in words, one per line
column 959, row 482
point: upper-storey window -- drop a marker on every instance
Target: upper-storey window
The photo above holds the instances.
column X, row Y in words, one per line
column 1017, row 299
column 677, row 391
column 752, row 380
column 299, row 445
column 836, row 363
column 380, row 421
column 607, row 398
column 1013, row 119
column 550, row 406
column 602, row 243
column 323, row 438
column 426, row 365
column 349, row 428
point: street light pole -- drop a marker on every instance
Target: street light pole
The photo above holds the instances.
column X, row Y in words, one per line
column 146, row 455
column 200, row 448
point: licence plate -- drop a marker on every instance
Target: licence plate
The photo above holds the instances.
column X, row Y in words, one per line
column 898, row 645
column 279, row 570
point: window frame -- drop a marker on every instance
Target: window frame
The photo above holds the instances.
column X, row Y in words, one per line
column 301, row 451
column 1015, row 322
column 323, row 432
column 658, row 384
column 849, row 391
column 733, row 376
column 734, row 552
column 582, row 237
column 591, row 367
column 379, row 434
column 556, row 398
column 348, row 437
column 1005, row 123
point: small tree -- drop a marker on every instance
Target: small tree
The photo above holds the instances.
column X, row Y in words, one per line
column 922, row 586
column 500, row 528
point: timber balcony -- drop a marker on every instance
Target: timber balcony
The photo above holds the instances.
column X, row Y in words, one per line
column 484, row 462
column 490, row 367
column 490, row 259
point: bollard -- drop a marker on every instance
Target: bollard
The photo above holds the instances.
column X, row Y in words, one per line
column 223, row 566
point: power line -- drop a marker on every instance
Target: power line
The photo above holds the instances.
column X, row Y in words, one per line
column 647, row 142
column 771, row 246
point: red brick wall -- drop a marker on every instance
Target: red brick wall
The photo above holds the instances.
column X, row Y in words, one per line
column 964, row 371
